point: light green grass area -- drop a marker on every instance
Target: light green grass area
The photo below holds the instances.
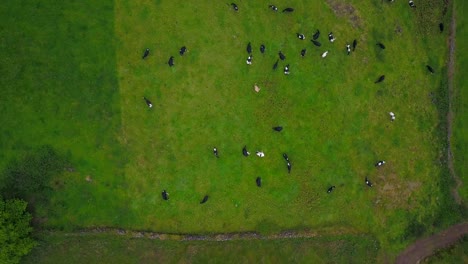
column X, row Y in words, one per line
column 75, row 80
column 60, row 248
column 460, row 102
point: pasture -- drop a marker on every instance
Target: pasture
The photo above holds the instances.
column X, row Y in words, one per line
column 74, row 79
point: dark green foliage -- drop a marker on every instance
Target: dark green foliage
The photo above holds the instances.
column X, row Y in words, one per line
column 29, row 177
column 15, row 229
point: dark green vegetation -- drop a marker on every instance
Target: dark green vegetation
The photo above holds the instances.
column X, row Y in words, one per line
column 102, row 248
column 74, row 80
column 460, row 100
column 15, row 229
column 457, row 253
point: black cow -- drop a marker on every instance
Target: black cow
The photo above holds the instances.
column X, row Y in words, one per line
column 171, row 61
column 379, row 163
column 262, row 48
column 249, row 48
column 204, row 199
column 348, row 49
column 281, row 56
column 382, row 46
column 272, row 7
column 165, row 195
column 285, row 156
column 259, row 181
column 234, row 6
column 303, row 52
column 300, row 36
column 148, row 102
column 286, row 69
column 288, row 10
column 411, row 4
column 441, row 27
column 380, row 79
column 215, row 152
column 316, row 43
column 331, row 38
column 146, row 53
column 368, row 183
column 278, row 128
column 316, row 35
column 354, row 44
column 182, row 50
column 429, row 68
column 330, row 189
column 245, row 152
column 275, row 65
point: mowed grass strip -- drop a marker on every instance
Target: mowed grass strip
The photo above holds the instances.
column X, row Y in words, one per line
column 335, row 119
column 104, row 248
column 59, row 88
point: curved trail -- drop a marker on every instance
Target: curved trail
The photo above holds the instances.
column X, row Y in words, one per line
column 426, row 246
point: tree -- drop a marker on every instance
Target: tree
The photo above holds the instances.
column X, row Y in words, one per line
column 15, row 230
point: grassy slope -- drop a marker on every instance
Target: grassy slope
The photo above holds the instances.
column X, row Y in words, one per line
column 335, row 117
column 59, row 248
column 59, row 88
column 457, row 253
column 460, row 125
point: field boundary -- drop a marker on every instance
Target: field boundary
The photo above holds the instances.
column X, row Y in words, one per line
column 207, row 237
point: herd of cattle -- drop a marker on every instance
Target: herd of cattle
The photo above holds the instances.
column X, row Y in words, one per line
column 286, row 71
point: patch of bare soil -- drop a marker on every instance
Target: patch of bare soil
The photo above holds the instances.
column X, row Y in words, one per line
column 345, row 10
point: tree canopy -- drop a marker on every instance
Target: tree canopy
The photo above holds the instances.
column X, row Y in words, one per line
column 15, row 230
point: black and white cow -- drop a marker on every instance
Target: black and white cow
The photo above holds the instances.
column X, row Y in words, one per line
column 331, row 189
column 300, row 36
column 411, row 4
column 324, row 54
column 165, row 195
column 331, row 38
column 234, row 6
column 272, row 7
column 245, row 152
column 368, row 183
column 286, row 69
column 215, row 152
column 392, row 116
column 249, row 60
column 146, row 53
column 148, row 102
column 348, row 49
column 379, row 163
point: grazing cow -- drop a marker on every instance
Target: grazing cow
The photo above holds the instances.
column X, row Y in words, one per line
column 348, row 48
column 411, row 4
column 316, row 35
column 259, row 181
column 148, row 102
column 165, row 195
column 286, row 69
column 278, row 128
column 354, row 44
column 272, row 7
column 331, row 189
column 262, row 48
column 316, row 43
column 303, row 52
column 146, row 53
column 182, row 50
column 392, row 116
column 245, row 152
column 300, row 36
column 289, row 167
column 379, row 163
column 281, row 56
column 285, row 156
column 429, row 68
column 382, row 46
column 276, row 64
column 249, row 48
column 260, row 154
column 215, row 152
column 324, row 54
column 249, row 60
column 331, row 38
column 441, row 27
column 368, row 183
column 171, row 61
column 234, row 6
column 380, row 79
column 204, row 199
column 288, row 10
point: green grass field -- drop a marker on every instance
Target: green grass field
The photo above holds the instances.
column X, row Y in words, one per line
column 73, row 79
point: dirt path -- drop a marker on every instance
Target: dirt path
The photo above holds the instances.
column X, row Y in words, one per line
column 451, row 72
column 426, row 246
